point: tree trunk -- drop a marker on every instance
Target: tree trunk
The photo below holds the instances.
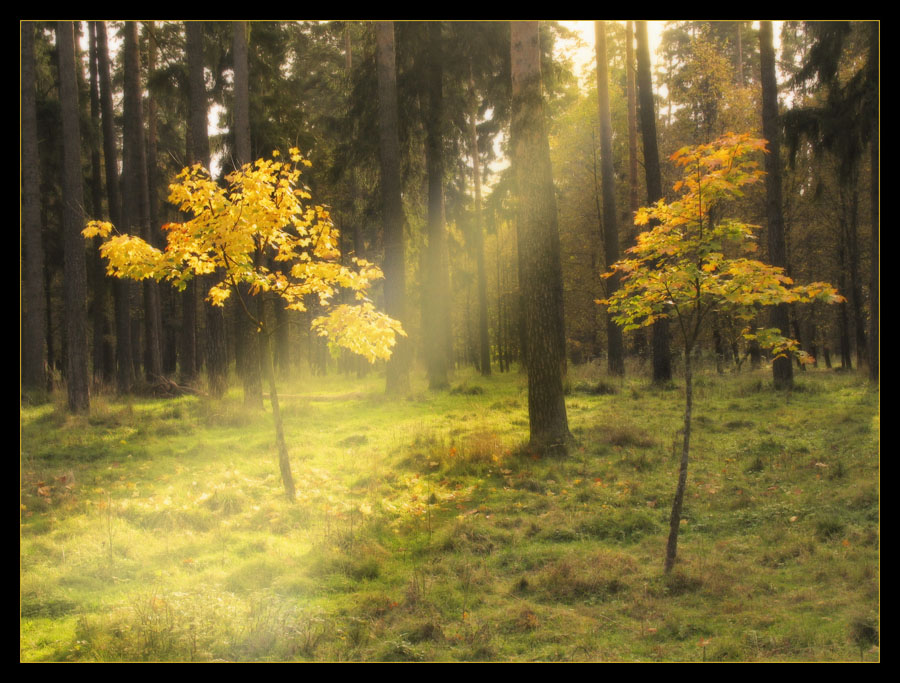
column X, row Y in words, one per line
column 541, row 273
column 662, row 357
column 678, row 502
column 484, row 342
column 136, row 197
column 34, row 311
column 782, row 370
column 633, row 200
column 216, row 355
column 121, row 288
column 75, row 273
column 616, row 349
column 251, row 359
column 874, row 331
column 397, row 375
column 436, row 315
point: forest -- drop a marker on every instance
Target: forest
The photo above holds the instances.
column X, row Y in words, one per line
column 449, row 341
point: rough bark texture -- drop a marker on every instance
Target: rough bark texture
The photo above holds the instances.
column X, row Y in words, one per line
column 631, row 95
column 662, row 357
column 34, row 331
column 874, row 331
column 397, row 375
column 782, row 370
column 436, row 316
column 75, row 274
column 216, row 355
column 538, row 238
column 616, row 348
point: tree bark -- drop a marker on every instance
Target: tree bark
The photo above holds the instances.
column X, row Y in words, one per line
column 436, row 314
column 874, row 330
column 251, row 360
column 397, row 375
column 662, row 356
column 616, row 349
column 538, row 238
column 75, row 274
column 782, row 369
column 216, row 355
column 34, row 312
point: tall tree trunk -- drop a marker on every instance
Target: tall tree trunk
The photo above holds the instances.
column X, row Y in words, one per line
column 397, row 375
column 103, row 352
column 34, row 311
column 121, row 288
column 782, row 370
column 136, row 197
column 539, row 253
column 616, row 349
column 251, row 361
column 874, row 331
column 75, row 273
column 631, row 95
column 662, row 356
column 436, row 318
column 484, row 342
column 216, row 355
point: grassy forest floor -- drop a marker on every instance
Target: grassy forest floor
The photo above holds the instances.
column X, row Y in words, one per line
column 423, row 531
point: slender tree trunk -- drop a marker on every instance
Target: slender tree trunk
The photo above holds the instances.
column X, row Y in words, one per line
column 631, row 95
column 121, row 288
column 484, row 342
column 616, row 348
column 436, row 315
column 216, row 354
column 251, row 359
column 662, row 357
column 75, row 274
column 541, row 273
column 874, row 330
column 34, row 311
column 136, row 197
column 397, row 375
column 782, row 370
column 678, row 502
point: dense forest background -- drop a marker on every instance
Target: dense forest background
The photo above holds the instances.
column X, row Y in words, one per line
column 103, row 136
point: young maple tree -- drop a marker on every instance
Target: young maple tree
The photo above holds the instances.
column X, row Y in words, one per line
column 693, row 264
column 260, row 231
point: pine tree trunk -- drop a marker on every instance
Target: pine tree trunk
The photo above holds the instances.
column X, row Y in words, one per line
column 34, row 311
column 662, row 356
column 616, row 349
column 782, row 370
column 397, row 375
column 874, row 331
column 75, row 293
column 540, row 271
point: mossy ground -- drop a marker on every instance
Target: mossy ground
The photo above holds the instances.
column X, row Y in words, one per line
column 424, row 531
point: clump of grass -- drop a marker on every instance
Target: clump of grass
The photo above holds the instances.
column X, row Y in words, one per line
column 464, row 389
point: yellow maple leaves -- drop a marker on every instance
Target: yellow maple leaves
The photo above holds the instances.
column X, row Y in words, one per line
column 257, row 229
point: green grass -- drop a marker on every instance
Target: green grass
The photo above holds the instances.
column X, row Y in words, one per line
column 157, row 530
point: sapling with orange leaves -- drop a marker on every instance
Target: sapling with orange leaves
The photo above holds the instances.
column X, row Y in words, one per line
column 694, row 263
column 259, row 230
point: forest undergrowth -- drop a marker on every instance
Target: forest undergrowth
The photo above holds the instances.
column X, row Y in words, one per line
column 424, row 530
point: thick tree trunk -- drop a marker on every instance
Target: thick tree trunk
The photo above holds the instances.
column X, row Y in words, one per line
column 616, row 349
column 874, row 331
column 782, row 369
column 34, row 311
column 662, row 356
column 397, row 375
column 75, row 274
column 541, row 273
